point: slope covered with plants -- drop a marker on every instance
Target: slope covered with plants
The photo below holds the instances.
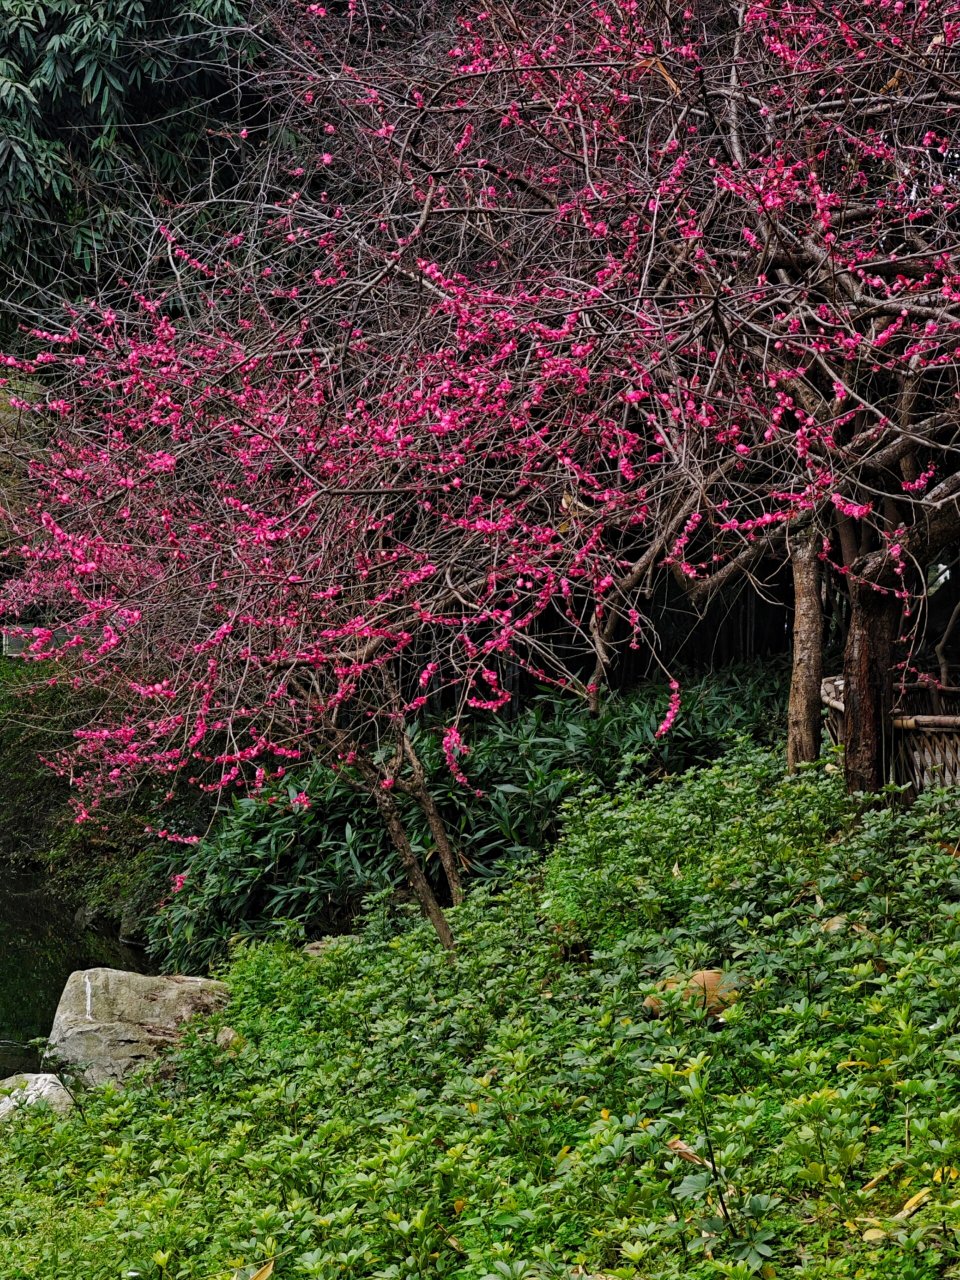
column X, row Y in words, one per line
column 388, row 1110
column 308, row 850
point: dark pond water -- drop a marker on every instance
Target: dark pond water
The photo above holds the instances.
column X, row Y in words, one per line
column 40, row 946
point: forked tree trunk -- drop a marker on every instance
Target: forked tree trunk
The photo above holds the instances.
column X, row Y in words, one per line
column 804, row 717
column 868, row 686
column 411, row 865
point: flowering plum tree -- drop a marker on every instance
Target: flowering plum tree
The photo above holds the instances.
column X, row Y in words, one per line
column 557, row 301
column 739, row 229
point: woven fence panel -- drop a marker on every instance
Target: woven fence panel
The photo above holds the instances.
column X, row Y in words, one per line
column 923, row 756
column 929, row 757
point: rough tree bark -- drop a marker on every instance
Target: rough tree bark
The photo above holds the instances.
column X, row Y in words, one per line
column 417, row 880
column 421, row 794
column 868, row 685
column 804, row 711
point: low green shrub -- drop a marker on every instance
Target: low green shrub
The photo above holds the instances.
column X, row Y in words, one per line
column 511, row 1114
column 271, row 861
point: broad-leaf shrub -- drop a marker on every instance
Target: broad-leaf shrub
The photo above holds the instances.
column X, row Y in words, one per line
column 391, row 1112
column 101, row 105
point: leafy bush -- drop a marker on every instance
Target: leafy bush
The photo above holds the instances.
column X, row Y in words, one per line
column 94, row 97
column 33, row 800
column 511, row 1114
column 272, row 860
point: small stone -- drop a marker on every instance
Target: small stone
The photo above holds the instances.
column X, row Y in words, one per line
column 31, row 1088
column 229, row 1039
column 322, row 945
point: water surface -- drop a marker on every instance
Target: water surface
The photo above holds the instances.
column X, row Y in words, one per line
column 40, row 946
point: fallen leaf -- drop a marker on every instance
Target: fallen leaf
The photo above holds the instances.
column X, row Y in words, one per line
column 914, row 1203
column 834, row 924
column 685, row 1152
column 265, row 1272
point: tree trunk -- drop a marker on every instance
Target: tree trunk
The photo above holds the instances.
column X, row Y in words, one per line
column 418, row 881
column 448, row 855
column 868, row 686
column 421, row 793
column 804, row 712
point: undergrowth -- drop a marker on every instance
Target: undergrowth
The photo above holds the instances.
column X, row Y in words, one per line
column 513, row 1114
column 270, row 860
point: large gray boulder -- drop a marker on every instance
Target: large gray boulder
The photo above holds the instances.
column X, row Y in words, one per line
column 30, row 1088
column 109, row 1022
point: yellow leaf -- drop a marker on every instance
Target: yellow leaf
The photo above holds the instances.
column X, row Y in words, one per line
column 459, row 1206
column 914, row 1203
column 473, row 1108
column 874, row 1234
column 604, row 1114
column 885, row 1173
column 265, row 1272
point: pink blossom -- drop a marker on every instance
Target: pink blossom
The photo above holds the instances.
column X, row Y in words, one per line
column 673, row 710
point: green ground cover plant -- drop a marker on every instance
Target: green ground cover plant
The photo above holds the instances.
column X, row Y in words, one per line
column 385, row 1111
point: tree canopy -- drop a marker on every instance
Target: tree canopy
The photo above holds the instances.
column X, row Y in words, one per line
column 531, row 315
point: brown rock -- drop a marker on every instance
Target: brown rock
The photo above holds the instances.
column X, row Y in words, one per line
column 229, row 1039
column 712, row 989
column 322, row 945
